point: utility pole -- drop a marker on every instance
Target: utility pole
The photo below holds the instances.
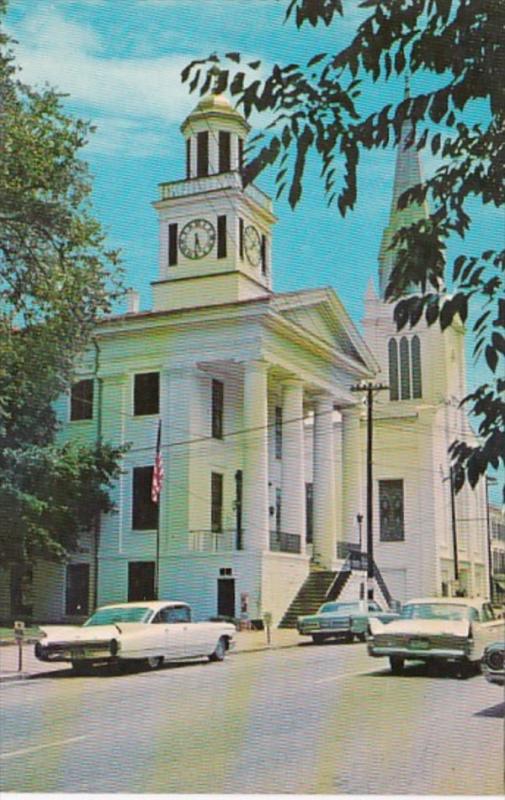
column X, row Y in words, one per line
column 489, row 480
column 369, row 389
column 454, row 527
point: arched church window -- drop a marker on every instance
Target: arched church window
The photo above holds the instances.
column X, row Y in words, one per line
column 404, row 368
column 393, row 369
column 415, row 352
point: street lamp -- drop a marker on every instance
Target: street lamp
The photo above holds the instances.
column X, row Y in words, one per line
column 359, row 519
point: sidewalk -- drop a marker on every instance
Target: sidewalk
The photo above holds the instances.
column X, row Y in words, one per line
column 246, row 642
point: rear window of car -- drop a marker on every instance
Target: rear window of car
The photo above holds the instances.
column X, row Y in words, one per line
column 435, row 611
column 339, row 608
column 108, row 616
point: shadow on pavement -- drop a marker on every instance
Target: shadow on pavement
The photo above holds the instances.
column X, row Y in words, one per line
column 429, row 670
column 498, row 712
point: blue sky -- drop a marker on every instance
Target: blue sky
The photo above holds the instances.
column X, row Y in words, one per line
column 120, row 63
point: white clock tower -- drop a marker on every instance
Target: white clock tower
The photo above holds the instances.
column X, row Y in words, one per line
column 215, row 235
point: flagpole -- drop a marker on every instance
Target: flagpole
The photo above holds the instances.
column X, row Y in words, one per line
column 156, row 487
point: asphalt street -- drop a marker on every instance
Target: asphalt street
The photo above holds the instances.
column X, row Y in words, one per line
column 308, row 719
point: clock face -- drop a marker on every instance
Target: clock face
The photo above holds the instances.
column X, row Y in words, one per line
column 252, row 245
column 197, row 238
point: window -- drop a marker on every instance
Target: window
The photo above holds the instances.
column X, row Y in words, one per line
column 172, row 244
column 278, row 432
column 216, row 508
column 391, row 511
column 140, row 587
column 188, row 158
column 415, row 345
column 393, row 369
column 221, row 237
column 144, row 511
column 241, row 154
column 77, row 589
column 217, row 409
column 202, row 154
column 241, row 238
column 278, row 511
column 176, row 614
column 264, row 254
column 404, row 368
column 81, row 400
column 224, row 151
column 146, row 399
column 309, row 512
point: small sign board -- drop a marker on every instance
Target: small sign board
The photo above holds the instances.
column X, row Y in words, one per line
column 19, row 629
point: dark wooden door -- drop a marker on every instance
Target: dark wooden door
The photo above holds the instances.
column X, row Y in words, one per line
column 226, row 597
column 140, row 580
column 77, row 590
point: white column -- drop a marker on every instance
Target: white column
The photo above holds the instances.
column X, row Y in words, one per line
column 255, row 481
column 213, row 151
column 293, row 461
column 352, row 497
column 325, row 516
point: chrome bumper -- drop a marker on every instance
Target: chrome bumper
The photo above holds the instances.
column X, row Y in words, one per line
column 418, row 655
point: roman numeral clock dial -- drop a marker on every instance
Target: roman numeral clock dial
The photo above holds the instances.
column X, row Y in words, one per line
column 197, row 238
column 252, row 245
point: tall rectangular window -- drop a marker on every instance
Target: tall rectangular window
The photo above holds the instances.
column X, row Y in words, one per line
column 392, row 527
column 216, row 504
column 241, row 238
column 202, row 154
column 241, row 154
column 309, row 512
column 217, row 409
column 146, row 393
column 81, row 400
column 172, row 244
column 144, row 511
column 188, row 157
column 264, row 254
column 278, row 432
column 221, row 237
column 224, row 151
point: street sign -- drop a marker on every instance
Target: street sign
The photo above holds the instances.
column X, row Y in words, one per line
column 19, row 629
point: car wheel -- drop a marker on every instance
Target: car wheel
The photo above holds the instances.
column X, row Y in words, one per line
column 397, row 663
column 220, row 651
column 362, row 637
column 154, row 662
column 318, row 638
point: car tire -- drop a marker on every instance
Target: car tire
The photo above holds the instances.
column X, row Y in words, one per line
column 220, row 651
column 154, row 662
column 318, row 638
column 397, row 664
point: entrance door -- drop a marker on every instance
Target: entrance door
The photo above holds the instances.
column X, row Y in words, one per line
column 140, row 580
column 77, row 590
column 226, row 597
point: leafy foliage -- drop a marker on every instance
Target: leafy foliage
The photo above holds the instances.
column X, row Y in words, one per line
column 56, row 276
column 314, row 109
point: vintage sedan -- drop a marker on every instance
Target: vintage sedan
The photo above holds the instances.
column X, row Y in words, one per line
column 149, row 632
column 336, row 620
column 493, row 663
column 437, row 629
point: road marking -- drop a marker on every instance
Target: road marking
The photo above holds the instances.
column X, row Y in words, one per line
column 347, row 675
column 42, row 747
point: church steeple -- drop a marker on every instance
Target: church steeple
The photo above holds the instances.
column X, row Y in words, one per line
column 407, row 174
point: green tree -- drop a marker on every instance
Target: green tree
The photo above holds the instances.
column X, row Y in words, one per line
column 56, row 277
column 315, row 110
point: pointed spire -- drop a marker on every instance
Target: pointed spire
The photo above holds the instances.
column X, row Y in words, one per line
column 407, row 174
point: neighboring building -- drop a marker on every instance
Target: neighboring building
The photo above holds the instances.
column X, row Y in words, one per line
column 497, row 543
column 263, row 441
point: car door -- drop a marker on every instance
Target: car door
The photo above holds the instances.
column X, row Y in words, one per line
column 175, row 619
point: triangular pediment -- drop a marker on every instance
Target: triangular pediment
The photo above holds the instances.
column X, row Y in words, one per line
column 321, row 314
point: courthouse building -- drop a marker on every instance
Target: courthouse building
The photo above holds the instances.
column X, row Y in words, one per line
column 262, row 439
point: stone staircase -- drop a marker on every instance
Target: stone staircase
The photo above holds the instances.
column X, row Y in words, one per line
column 312, row 594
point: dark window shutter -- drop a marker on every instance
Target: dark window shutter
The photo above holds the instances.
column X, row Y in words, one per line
column 188, row 158
column 202, row 154
column 217, row 409
column 172, row 244
column 216, row 510
column 241, row 238
column 264, row 254
column 221, row 237
column 224, row 151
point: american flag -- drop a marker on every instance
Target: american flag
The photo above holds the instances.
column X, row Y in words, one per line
column 158, row 473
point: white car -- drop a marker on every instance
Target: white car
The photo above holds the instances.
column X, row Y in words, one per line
column 437, row 629
column 151, row 631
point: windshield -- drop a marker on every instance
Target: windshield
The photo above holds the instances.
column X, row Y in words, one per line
column 434, row 611
column 108, row 616
column 339, row 608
